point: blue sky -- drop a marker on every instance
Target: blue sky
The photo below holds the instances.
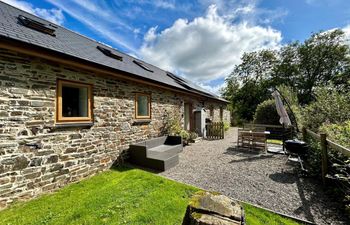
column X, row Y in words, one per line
column 202, row 39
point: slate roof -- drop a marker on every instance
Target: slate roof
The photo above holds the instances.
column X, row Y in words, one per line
column 76, row 45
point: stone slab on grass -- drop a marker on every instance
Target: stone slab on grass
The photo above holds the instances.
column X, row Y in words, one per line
column 207, row 208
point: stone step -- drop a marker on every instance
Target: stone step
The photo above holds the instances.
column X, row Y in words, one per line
column 163, row 161
column 159, row 158
column 161, row 155
column 160, row 162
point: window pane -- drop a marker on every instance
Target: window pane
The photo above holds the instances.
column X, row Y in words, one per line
column 142, row 105
column 74, row 101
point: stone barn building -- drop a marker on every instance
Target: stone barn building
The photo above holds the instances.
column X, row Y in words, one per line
column 69, row 105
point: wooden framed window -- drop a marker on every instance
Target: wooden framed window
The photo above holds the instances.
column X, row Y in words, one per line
column 74, row 102
column 142, row 106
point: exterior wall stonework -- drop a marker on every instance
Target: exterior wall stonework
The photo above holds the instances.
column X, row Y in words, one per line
column 36, row 156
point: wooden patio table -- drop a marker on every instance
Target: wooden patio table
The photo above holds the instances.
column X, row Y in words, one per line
column 253, row 139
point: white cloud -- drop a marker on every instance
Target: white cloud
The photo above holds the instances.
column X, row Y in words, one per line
column 164, row 4
column 151, row 35
column 161, row 4
column 206, row 48
column 53, row 15
column 106, row 24
column 347, row 34
column 213, row 89
column 246, row 10
column 325, row 2
column 346, row 31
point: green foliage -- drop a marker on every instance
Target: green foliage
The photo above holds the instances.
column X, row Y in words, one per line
column 330, row 107
column 245, row 99
column 226, row 125
column 291, row 97
column 289, row 94
column 338, row 164
column 339, row 133
column 247, row 86
column 255, row 66
column 266, row 113
column 314, row 157
column 321, row 60
column 173, row 126
column 184, row 134
column 193, row 136
column 173, row 122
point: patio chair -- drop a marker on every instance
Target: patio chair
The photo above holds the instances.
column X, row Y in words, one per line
column 259, row 141
column 245, row 139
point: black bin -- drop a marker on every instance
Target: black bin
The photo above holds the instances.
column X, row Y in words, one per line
column 296, row 146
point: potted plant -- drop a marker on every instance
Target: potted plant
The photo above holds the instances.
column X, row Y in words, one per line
column 185, row 137
column 192, row 137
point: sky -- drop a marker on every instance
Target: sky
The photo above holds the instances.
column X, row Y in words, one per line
column 201, row 40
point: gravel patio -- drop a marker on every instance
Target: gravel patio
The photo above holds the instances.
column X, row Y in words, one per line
column 266, row 180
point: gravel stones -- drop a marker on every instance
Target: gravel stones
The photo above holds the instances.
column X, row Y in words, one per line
column 267, row 180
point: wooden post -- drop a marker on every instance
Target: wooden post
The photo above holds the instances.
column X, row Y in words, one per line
column 223, row 130
column 323, row 142
column 304, row 133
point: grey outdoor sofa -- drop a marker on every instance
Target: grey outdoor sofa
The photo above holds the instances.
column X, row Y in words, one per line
column 158, row 153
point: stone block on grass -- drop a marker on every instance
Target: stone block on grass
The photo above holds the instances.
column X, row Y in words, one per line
column 206, row 208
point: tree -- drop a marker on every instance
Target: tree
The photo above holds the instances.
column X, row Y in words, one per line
column 255, row 66
column 286, row 70
column 321, row 60
column 266, row 113
column 331, row 107
column 248, row 97
column 248, row 84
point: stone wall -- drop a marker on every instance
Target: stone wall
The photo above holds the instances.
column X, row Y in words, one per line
column 37, row 157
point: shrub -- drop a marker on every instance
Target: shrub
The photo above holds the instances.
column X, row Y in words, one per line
column 172, row 123
column 289, row 94
column 339, row 133
column 331, row 107
column 226, row 126
column 338, row 164
column 184, row 134
column 266, row 113
column 193, row 136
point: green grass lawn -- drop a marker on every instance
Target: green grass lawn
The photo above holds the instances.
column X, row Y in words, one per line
column 118, row 196
column 273, row 141
column 258, row 216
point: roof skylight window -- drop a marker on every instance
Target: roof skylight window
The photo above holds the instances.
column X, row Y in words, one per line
column 35, row 25
column 186, row 84
column 143, row 66
column 176, row 78
column 109, row 53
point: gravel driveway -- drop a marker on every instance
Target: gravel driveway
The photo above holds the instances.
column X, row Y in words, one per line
column 262, row 179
